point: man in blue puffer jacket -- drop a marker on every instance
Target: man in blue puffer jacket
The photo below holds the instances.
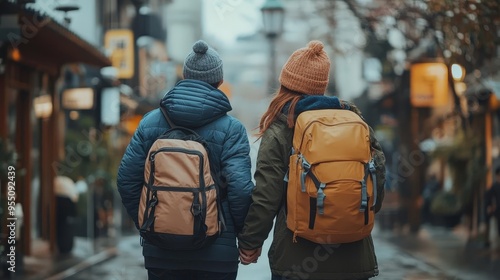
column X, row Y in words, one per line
column 195, row 103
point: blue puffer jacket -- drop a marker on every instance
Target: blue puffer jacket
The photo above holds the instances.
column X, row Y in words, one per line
column 203, row 108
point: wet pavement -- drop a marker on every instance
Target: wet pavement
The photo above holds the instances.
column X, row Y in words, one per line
column 432, row 254
column 450, row 251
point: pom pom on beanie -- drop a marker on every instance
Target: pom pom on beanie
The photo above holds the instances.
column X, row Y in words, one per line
column 307, row 70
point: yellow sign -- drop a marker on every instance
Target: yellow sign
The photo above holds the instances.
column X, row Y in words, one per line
column 78, row 99
column 429, row 84
column 494, row 102
column 120, row 44
column 130, row 124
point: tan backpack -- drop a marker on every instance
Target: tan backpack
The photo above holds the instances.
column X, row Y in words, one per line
column 180, row 205
column 330, row 193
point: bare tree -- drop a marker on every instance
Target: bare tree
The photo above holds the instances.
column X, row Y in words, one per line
column 465, row 31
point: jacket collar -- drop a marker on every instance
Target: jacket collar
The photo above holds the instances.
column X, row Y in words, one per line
column 319, row 102
column 315, row 102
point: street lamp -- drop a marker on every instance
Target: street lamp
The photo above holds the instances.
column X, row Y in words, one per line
column 457, row 72
column 458, row 75
column 67, row 8
column 273, row 14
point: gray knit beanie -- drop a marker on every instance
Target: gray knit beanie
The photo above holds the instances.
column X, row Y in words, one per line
column 203, row 64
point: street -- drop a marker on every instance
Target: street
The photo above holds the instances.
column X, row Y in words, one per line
column 395, row 262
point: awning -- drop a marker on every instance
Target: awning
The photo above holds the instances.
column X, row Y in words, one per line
column 52, row 41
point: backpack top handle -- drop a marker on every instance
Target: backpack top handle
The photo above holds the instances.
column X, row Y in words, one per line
column 174, row 126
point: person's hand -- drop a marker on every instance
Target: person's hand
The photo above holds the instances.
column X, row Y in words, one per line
column 249, row 256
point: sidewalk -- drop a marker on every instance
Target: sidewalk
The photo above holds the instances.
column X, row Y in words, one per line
column 43, row 266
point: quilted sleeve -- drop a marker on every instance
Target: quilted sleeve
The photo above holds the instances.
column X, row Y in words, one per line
column 236, row 169
column 131, row 173
column 268, row 194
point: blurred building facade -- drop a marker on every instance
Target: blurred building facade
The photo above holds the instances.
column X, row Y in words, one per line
column 245, row 69
column 446, row 131
column 32, row 114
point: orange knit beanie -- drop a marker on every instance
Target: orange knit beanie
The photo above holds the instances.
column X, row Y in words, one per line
column 307, row 70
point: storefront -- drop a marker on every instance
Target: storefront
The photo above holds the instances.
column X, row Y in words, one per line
column 33, row 50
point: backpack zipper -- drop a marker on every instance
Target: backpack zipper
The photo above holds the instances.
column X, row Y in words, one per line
column 182, row 150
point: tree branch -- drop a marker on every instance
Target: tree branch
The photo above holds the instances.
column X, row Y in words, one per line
column 365, row 23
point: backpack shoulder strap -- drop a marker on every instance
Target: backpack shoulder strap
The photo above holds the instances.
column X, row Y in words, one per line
column 173, row 126
column 169, row 121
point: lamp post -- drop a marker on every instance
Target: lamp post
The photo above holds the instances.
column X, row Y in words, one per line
column 67, row 8
column 458, row 74
column 273, row 16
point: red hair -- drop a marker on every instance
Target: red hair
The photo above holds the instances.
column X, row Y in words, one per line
column 281, row 98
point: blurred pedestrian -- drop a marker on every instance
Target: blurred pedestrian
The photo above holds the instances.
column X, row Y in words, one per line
column 102, row 200
column 431, row 188
column 81, row 185
column 492, row 204
column 198, row 104
column 65, row 187
column 303, row 79
column 66, row 199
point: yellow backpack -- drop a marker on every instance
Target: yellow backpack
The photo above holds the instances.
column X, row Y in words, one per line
column 331, row 179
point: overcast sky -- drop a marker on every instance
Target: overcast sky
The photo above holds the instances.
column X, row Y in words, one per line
column 228, row 19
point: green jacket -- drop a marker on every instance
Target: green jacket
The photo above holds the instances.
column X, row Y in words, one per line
column 304, row 259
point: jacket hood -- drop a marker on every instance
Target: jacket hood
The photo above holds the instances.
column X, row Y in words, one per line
column 193, row 103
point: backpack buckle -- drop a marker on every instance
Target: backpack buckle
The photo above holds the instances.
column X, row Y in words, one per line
column 196, row 209
column 371, row 166
column 305, row 165
column 153, row 202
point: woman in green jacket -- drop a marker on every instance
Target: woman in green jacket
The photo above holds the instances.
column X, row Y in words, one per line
column 303, row 79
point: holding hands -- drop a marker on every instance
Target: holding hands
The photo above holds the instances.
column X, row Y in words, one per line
column 249, row 256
